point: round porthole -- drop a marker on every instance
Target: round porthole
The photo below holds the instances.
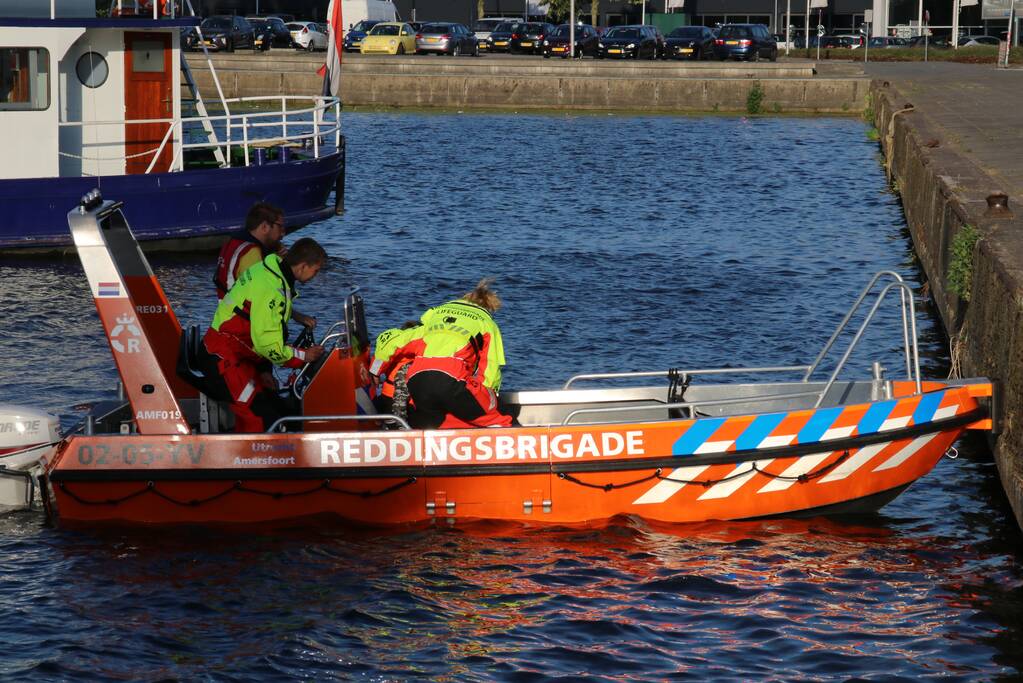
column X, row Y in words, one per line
column 92, row 69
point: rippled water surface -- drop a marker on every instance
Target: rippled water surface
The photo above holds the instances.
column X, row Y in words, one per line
column 618, row 243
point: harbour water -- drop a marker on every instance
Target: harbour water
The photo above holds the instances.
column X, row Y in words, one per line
column 617, row 243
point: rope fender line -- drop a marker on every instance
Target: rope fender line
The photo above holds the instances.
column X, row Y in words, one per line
column 707, row 483
column 608, row 487
column 150, row 487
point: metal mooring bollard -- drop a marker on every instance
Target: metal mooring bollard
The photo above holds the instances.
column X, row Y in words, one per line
column 998, row 205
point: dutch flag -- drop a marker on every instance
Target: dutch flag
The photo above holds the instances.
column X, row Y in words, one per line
column 109, row 289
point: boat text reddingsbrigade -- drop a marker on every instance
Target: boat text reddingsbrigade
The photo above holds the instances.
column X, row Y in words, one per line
column 480, row 448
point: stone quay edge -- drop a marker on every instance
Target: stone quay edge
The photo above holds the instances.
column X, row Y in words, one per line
column 536, row 84
column 945, row 185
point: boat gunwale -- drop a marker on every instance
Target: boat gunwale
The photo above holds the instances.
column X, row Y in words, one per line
column 435, row 470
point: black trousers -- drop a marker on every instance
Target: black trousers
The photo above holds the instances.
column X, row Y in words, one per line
column 435, row 396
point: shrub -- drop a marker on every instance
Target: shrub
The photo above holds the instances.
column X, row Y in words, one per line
column 755, row 99
column 960, row 265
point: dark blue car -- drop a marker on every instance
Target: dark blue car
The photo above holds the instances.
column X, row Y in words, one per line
column 353, row 39
column 745, row 41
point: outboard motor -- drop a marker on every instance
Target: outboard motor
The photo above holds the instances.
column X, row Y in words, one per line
column 27, row 438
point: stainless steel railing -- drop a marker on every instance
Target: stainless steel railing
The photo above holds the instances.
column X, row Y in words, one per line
column 909, row 342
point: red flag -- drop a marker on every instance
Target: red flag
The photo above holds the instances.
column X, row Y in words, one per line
column 331, row 71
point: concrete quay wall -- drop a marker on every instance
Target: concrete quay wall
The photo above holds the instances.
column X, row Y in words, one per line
column 456, row 85
column 943, row 192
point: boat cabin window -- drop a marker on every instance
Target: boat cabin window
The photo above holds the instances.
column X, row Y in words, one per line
column 24, row 78
column 92, row 69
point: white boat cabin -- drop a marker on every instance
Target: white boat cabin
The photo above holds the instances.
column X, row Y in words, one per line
column 83, row 95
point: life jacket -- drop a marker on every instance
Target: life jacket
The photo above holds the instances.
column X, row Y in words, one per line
column 239, row 253
column 255, row 311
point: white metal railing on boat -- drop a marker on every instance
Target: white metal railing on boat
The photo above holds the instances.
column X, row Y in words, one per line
column 691, row 406
column 144, row 8
column 305, row 127
column 909, row 339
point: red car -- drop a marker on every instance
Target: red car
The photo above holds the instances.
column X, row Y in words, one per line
column 586, row 39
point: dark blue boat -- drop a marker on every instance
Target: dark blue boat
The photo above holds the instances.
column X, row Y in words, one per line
column 115, row 122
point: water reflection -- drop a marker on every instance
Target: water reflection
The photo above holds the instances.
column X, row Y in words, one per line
column 658, row 265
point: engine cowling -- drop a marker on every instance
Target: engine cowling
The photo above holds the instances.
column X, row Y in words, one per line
column 28, row 437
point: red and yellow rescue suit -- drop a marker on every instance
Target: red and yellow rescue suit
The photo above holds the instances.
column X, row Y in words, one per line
column 249, row 329
column 454, row 360
column 238, row 254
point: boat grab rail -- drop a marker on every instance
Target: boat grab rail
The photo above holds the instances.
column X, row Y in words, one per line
column 326, row 418
column 298, row 387
column 909, row 340
column 852, row 311
column 682, row 373
column 690, row 405
column 335, row 332
column 913, row 373
column 314, row 128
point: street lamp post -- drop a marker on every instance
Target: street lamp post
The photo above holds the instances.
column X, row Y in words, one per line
column 788, row 26
column 571, row 29
column 807, row 28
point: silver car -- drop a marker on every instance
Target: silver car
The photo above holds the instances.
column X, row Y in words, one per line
column 484, row 27
column 446, row 39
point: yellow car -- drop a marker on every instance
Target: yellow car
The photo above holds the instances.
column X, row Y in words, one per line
column 389, row 38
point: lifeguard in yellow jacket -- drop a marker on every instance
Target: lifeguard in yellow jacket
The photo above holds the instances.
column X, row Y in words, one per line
column 249, row 329
column 454, row 359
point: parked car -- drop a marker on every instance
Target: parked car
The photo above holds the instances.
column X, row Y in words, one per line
column 446, row 39
column 308, row 35
column 690, row 42
column 886, row 42
column 745, row 41
column 270, row 32
column 227, row 33
column 976, row 41
column 390, row 38
column 933, row 42
column 850, row 41
column 500, row 37
column 529, row 39
column 635, row 42
column 484, row 27
column 353, row 39
column 189, row 38
column 586, row 41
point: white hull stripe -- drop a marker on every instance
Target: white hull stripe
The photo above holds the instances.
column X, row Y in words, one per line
column 894, row 423
column 854, row 462
column 838, row 433
column 801, row 466
column 713, row 447
column 663, row 490
column 947, row 411
column 776, row 441
column 743, row 472
column 906, row 452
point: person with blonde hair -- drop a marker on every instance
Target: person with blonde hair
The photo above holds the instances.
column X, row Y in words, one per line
column 451, row 362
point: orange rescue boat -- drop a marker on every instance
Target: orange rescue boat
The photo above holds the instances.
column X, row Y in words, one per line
column 671, row 447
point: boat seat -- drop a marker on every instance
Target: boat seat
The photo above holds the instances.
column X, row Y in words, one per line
column 197, row 367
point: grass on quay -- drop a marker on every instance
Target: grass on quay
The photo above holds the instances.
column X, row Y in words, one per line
column 965, row 55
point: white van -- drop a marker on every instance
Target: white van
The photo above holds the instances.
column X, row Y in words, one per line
column 485, row 26
column 354, row 11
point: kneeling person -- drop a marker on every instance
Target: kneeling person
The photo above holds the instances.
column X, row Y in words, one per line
column 249, row 329
column 453, row 359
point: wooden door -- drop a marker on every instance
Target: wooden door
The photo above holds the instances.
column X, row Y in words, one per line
column 148, row 94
